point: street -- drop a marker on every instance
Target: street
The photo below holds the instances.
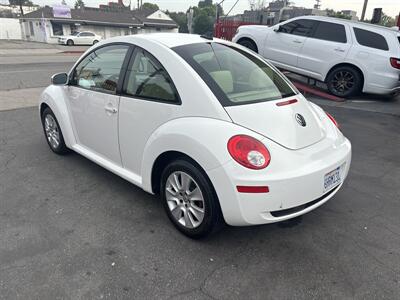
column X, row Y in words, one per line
column 70, row 229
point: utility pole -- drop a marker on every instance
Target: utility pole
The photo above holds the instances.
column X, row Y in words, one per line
column 364, row 9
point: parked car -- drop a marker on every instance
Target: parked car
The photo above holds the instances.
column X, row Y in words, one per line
column 80, row 38
column 349, row 56
column 213, row 128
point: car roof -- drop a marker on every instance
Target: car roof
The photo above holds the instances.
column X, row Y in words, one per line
column 351, row 22
column 169, row 40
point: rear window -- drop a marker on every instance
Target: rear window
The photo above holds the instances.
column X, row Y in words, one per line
column 330, row 32
column 370, row 39
column 235, row 76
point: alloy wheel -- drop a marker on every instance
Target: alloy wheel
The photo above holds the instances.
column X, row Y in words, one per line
column 185, row 199
column 52, row 131
column 343, row 81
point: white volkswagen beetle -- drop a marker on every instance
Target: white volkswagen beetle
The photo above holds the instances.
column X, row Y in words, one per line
column 213, row 128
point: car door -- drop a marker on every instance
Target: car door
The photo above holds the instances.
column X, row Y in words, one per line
column 84, row 38
column 94, row 100
column 328, row 45
column 284, row 43
column 149, row 99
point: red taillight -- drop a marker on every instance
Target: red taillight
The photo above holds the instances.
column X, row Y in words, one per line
column 395, row 62
column 249, row 152
column 333, row 120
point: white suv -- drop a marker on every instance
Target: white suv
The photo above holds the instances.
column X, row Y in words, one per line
column 349, row 56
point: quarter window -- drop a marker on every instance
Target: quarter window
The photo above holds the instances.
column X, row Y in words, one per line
column 146, row 78
column 370, row 39
column 298, row 27
column 330, row 32
column 100, row 70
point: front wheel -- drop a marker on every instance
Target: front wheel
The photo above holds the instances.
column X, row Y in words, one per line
column 95, row 42
column 189, row 199
column 52, row 132
column 344, row 82
column 70, row 42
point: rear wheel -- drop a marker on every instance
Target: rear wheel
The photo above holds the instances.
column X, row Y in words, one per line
column 248, row 44
column 70, row 42
column 189, row 199
column 344, row 81
column 95, row 42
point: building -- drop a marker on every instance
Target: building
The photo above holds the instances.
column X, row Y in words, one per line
column 48, row 23
column 277, row 11
column 350, row 13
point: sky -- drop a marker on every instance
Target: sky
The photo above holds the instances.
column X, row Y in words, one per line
column 390, row 7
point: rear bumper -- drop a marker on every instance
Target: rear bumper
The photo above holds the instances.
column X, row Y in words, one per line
column 295, row 180
column 383, row 85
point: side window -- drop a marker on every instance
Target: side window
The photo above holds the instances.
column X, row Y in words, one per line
column 330, row 32
column 370, row 39
column 99, row 71
column 298, row 27
column 146, row 78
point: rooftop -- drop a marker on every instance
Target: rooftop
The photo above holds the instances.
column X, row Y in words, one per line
column 100, row 16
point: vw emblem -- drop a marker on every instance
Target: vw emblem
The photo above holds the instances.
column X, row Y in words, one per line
column 300, row 119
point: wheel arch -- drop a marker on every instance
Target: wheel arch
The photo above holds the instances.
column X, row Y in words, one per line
column 248, row 38
column 346, row 64
column 161, row 163
column 60, row 110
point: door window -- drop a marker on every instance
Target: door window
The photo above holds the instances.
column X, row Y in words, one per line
column 370, row 39
column 146, row 78
column 330, row 32
column 100, row 70
column 298, row 27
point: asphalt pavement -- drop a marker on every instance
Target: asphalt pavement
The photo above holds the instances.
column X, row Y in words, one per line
column 32, row 71
column 69, row 229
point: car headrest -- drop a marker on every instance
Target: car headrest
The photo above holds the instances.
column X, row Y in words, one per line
column 224, row 79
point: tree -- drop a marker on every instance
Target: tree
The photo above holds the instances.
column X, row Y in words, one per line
column 336, row 14
column 21, row 3
column 79, row 4
column 205, row 3
column 203, row 24
column 150, row 6
column 180, row 18
column 63, row 2
column 387, row 21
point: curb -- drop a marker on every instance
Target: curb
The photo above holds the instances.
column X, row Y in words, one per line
column 307, row 89
column 72, row 52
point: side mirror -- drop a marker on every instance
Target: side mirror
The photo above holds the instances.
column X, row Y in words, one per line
column 277, row 28
column 59, row 79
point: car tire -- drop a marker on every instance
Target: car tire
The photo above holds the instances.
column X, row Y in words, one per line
column 70, row 42
column 95, row 42
column 248, row 44
column 52, row 132
column 183, row 205
column 344, row 81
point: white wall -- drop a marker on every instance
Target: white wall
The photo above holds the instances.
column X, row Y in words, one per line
column 10, row 29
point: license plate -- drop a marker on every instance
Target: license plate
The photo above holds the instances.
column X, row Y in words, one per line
column 332, row 179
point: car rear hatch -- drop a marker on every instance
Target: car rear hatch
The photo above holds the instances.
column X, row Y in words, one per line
column 290, row 122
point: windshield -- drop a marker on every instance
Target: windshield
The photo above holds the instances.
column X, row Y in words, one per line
column 75, row 33
column 235, row 76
